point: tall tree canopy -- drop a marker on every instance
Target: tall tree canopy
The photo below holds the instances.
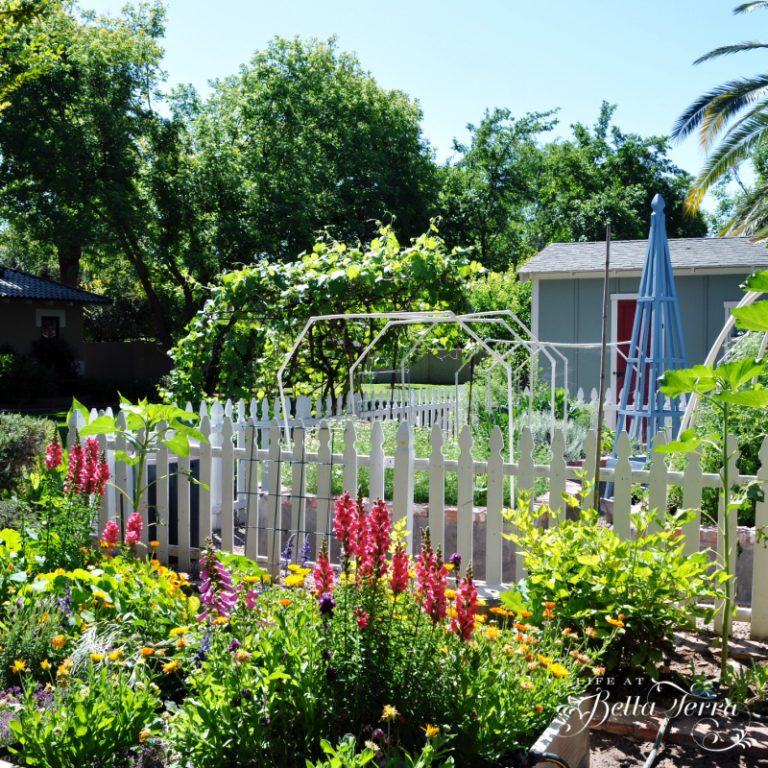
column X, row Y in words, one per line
column 510, row 193
column 302, row 140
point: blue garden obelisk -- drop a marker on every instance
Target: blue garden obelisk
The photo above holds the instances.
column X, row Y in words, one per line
column 657, row 342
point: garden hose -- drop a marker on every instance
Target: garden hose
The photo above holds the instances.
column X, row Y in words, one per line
column 547, row 757
column 657, row 744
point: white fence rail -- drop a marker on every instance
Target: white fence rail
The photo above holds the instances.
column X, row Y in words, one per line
column 251, row 489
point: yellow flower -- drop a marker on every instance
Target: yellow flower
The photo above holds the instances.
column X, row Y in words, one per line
column 545, row 661
column 431, row 730
column 171, row 666
column 59, row 641
column 526, row 685
column 59, row 571
column 116, row 655
column 176, row 631
column 492, row 633
column 449, row 567
column 294, row 580
column 19, row 666
column 389, row 713
column 242, row 656
column 450, row 593
column 251, row 579
column 99, row 595
column 64, row 668
column 558, row 670
column 480, row 619
column 147, row 651
column 45, row 664
column 44, row 616
column 615, row 622
column 154, row 543
column 220, row 620
column 182, row 642
column 294, row 567
column 97, row 657
column 144, row 734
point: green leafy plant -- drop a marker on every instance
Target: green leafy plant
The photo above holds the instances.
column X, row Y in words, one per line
column 632, row 590
column 86, row 724
column 147, row 426
column 22, row 440
column 725, row 387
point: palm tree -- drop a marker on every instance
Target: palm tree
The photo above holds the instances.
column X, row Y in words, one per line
column 736, row 113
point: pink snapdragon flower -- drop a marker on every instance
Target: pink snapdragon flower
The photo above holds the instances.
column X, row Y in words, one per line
column 373, row 555
column 87, row 469
column 431, row 580
column 133, row 529
column 323, row 574
column 345, row 524
column 111, row 534
column 53, row 453
column 466, row 607
column 400, row 576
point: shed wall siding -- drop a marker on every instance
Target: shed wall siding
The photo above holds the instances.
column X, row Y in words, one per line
column 570, row 310
column 18, row 321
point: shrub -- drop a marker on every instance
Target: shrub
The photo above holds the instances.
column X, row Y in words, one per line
column 22, row 440
column 645, row 587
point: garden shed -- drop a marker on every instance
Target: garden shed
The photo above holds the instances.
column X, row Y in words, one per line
column 33, row 308
column 567, row 295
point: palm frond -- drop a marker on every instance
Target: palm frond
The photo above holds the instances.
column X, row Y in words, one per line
column 749, row 7
column 730, row 98
column 727, row 50
column 751, row 214
column 734, row 148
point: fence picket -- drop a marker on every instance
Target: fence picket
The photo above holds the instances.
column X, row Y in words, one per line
column 204, row 520
column 692, row 500
column 160, row 532
column 495, row 501
column 622, row 488
column 298, row 484
column 350, row 458
column 727, row 518
column 557, row 477
column 437, row 488
column 273, row 501
column 227, row 486
column 183, row 514
column 402, row 493
column 759, row 629
column 465, row 493
column 376, row 467
column 252, row 498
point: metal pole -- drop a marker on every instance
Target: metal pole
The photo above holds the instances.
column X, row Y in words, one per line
column 603, row 345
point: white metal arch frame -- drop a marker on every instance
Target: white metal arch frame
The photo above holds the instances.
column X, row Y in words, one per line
column 314, row 320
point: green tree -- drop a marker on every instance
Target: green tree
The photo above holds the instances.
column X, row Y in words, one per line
column 303, row 140
column 735, row 115
column 603, row 174
column 77, row 145
column 236, row 343
column 489, row 195
column 26, row 50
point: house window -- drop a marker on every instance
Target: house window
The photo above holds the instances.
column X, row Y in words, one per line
column 49, row 327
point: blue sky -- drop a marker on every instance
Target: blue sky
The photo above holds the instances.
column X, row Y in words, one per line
column 459, row 58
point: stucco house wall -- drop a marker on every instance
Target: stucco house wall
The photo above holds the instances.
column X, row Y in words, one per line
column 21, row 323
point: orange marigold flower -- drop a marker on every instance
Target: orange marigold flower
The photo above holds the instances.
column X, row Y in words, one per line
column 147, row 651
column 431, row 730
column 549, row 604
column 171, row 666
column 526, row 614
column 182, row 642
column 539, row 709
column 615, row 622
column 59, row 641
column 145, row 734
column 285, row 602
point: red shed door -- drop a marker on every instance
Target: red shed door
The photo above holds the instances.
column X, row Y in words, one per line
column 625, row 318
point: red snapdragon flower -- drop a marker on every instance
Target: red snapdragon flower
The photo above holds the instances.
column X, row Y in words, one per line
column 399, row 580
column 466, row 607
column 323, row 574
column 133, row 529
column 53, row 453
column 345, row 523
column 111, row 533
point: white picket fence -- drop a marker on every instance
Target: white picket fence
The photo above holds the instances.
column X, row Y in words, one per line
column 251, row 491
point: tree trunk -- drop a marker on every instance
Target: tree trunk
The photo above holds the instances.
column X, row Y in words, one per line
column 69, row 263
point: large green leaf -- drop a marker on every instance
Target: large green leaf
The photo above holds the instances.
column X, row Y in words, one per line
column 757, row 281
column 739, row 372
column 103, row 425
column 755, row 398
column 752, row 318
column 699, row 379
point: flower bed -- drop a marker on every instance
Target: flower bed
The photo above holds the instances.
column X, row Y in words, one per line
column 111, row 659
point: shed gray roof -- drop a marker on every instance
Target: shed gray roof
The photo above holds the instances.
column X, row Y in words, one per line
column 687, row 253
column 15, row 284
